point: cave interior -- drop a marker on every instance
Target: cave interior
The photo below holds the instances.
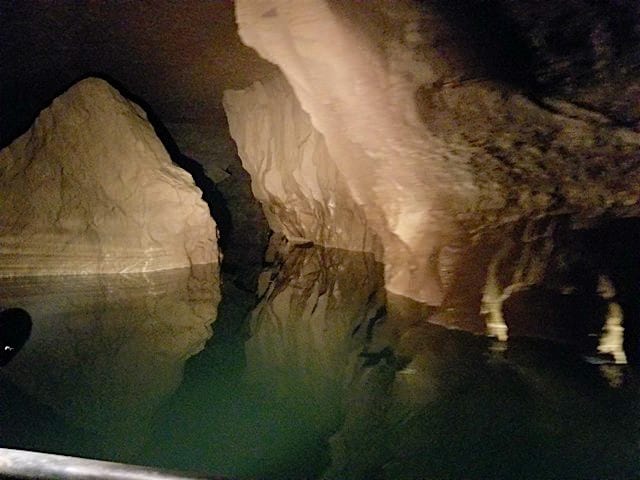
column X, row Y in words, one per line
column 441, row 168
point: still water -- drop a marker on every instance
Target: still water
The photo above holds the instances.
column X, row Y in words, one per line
column 328, row 377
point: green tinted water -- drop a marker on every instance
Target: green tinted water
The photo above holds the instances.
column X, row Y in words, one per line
column 320, row 382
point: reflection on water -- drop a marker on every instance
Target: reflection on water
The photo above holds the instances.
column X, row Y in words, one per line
column 104, row 350
column 332, row 378
column 266, row 409
column 455, row 409
column 307, row 330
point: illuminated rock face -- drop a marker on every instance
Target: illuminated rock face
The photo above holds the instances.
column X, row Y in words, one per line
column 363, row 106
column 433, row 151
column 304, row 194
column 90, row 189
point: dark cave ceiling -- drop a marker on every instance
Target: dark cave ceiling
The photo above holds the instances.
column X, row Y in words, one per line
column 177, row 55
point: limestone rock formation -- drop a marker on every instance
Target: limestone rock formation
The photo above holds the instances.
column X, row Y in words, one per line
column 90, row 189
column 434, row 147
column 304, row 194
column 360, row 101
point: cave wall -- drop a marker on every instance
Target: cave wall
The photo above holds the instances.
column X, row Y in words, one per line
column 437, row 147
column 359, row 99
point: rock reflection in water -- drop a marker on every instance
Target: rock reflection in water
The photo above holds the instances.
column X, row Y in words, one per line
column 450, row 407
column 318, row 307
column 267, row 409
column 396, row 397
column 105, row 349
column 311, row 319
column 337, row 380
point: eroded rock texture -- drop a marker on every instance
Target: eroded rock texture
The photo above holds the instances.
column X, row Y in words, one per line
column 90, row 189
column 441, row 144
column 304, row 194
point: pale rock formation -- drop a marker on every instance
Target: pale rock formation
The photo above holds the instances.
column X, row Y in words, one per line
column 363, row 107
column 90, row 189
column 303, row 193
column 432, row 149
column 105, row 350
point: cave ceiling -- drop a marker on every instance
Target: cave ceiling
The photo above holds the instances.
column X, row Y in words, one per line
column 178, row 56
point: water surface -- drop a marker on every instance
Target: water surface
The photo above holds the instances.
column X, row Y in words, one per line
column 328, row 377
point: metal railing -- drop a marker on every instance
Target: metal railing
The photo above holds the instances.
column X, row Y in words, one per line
column 23, row 464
